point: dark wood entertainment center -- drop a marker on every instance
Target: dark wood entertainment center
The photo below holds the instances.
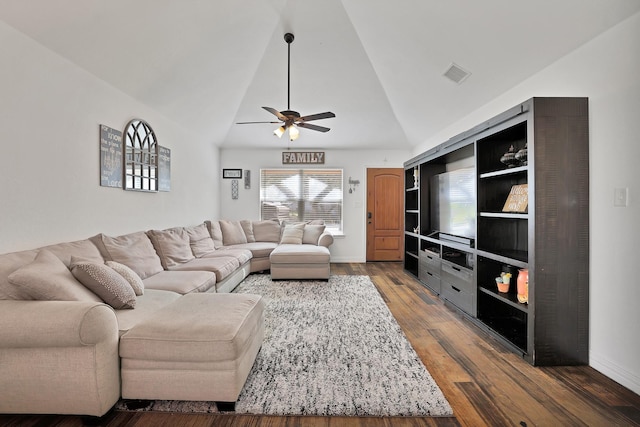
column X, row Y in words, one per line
column 549, row 238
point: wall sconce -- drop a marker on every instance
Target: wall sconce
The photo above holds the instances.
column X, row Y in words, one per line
column 353, row 184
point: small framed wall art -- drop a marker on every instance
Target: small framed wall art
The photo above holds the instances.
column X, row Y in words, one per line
column 232, row 173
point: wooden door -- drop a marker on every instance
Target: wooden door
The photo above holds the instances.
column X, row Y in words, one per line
column 385, row 228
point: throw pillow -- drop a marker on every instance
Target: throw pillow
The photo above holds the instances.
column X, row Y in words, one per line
column 312, row 234
column 200, row 240
column 267, row 231
column 47, row 278
column 104, row 282
column 215, row 232
column 135, row 251
column 247, row 227
column 172, row 246
column 292, row 234
column 232, row 233
column 129, row 275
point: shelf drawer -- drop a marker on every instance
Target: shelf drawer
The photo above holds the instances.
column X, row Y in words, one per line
column 430, row 279
column 457, row 276
column 462, row 298
column 430, row 259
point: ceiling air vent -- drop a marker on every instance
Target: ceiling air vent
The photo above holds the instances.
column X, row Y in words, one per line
column 456, row 73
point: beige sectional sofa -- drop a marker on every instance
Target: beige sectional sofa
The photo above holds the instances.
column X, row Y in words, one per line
column 67, row 310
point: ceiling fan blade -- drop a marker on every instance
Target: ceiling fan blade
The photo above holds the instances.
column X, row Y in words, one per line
column 251, row 123
column 318, row 116
column 276, row 113
column 313, row 127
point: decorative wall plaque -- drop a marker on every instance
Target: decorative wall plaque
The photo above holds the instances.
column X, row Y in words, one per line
column 164, row 169
column 303, row 157
column 110, row 157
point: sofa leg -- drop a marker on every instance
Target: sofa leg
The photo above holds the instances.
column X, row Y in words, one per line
column 226, row 406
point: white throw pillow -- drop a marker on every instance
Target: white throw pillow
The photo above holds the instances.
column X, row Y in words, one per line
column 129, row 275
column 292, row 234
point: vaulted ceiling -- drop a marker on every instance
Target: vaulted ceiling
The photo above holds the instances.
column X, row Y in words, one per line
column 378, row 65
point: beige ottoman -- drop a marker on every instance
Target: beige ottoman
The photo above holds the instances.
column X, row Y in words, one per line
column 200, row 347
column 289, row 261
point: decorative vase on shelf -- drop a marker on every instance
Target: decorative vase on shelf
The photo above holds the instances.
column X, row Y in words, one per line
column 523, row 286
column 521, row 155
column 509, row 158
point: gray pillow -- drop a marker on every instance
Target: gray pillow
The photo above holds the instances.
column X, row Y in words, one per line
column 129, row 275
column 267, row 231
column 200, row 240
column 104, row 282
column 312, row 234
column 135, row 251
column 215, row 232
column 47, row 278
column 232, row 232
column 247, row 227
column 292, row 234
column 172, row 246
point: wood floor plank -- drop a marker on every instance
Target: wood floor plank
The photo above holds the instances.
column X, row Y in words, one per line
column 486, row 384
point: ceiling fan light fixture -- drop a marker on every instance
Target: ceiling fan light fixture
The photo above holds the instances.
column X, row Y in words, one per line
column 279, row 132
column 294, row 133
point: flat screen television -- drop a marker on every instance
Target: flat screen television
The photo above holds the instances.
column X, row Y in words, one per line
column 453, row 203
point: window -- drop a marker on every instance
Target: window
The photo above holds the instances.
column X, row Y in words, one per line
column 302, row 195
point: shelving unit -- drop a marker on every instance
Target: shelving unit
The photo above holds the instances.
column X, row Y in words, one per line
column 549, row 237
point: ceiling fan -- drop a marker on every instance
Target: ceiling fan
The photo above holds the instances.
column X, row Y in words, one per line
column 289, row 119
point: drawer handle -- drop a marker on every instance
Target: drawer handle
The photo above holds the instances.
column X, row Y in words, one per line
column 456, row 268
column 430, row 274
column 431, row 258
column 455, row 289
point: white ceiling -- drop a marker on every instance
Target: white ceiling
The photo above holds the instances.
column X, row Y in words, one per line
column 378, row 65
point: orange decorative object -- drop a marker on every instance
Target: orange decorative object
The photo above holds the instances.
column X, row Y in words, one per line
column 523, row 285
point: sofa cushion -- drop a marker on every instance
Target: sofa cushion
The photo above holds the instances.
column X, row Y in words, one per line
column 215, row 232
column 146, row 306
column 292, row 234
column 247, row 227
column 129, row 275
column 47, row 278
column 312, row 233
column 183, row 332
column 267, row 231
column 103, row 281
column 134, row 250
column 232, row 232
column 182, row 282
column 200, row 240
column 172, row 246
column 242, row 255
column 300, row 254
column 221, row 266
column 258, row 249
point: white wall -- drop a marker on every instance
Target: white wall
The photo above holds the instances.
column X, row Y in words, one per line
column 606, row 71
column 50, row 111
column 348, row 248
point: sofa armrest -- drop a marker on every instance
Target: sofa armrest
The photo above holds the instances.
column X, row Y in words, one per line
column 37, row 324
column 326, row 239
column 58, row 357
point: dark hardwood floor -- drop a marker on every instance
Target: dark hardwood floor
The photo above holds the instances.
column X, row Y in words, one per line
column 485, row 384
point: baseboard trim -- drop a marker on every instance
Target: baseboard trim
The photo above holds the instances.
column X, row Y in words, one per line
column 618, row 373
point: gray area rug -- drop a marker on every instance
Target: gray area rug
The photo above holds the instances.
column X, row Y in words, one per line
column 330, row 348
